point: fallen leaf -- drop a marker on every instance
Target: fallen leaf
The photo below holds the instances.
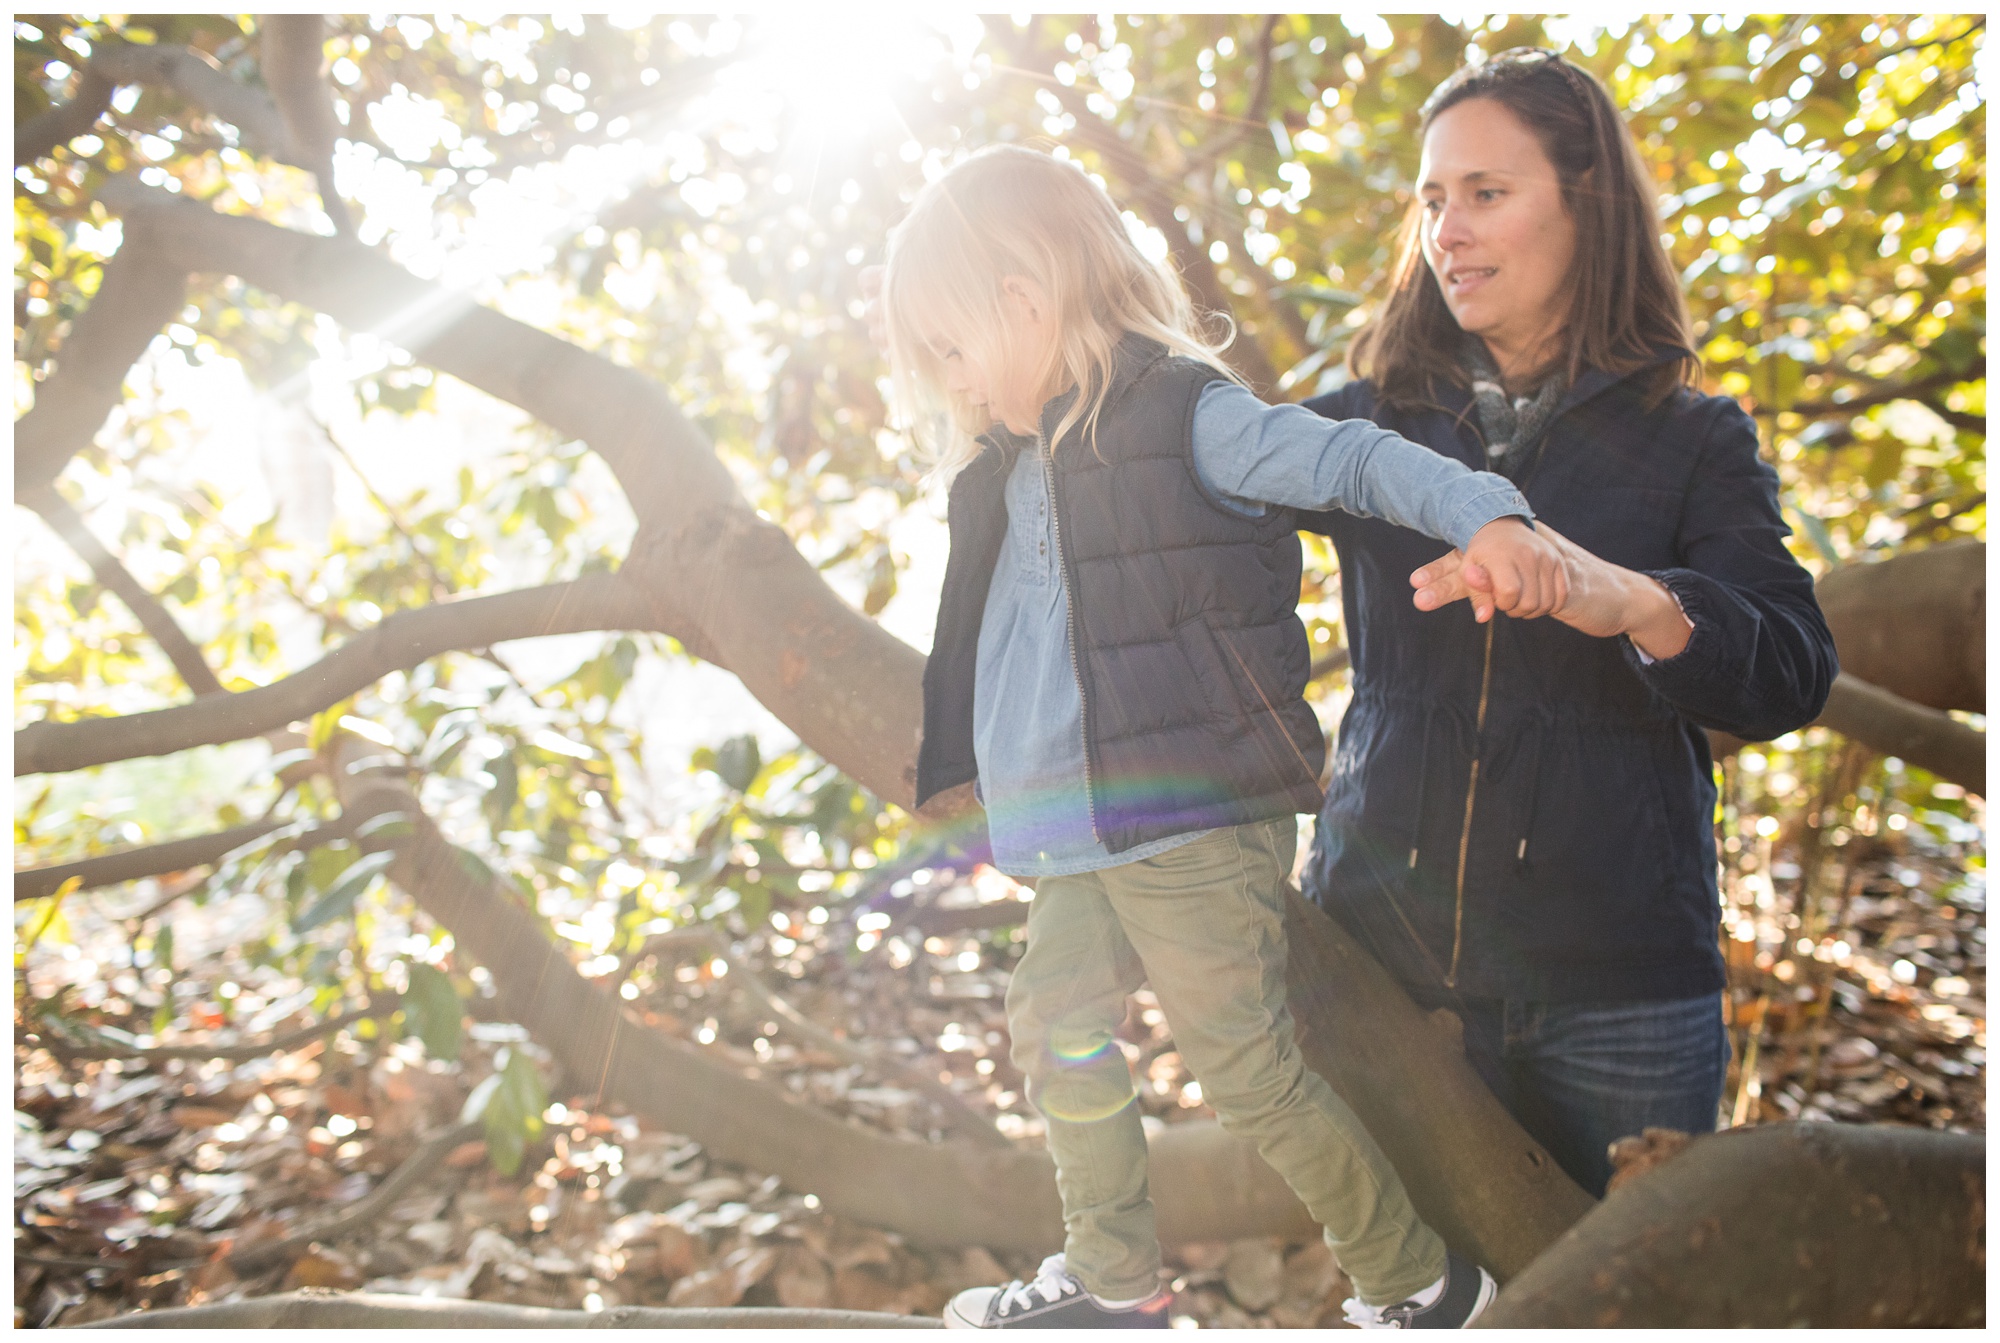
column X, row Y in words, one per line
column 802, row 1280
column 466, row 1154
column 713, row 1287
column 321, row 1267
column 862, row 1287
column 1254, row 1272
column 196, row 1117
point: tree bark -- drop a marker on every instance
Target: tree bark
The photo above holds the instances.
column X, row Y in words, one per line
column 1895, row 726
column 151, row 860
column 376, row 1310
column 1782, row 1226
column 1911, row 634
column 1472, row 1171
column 139, row 293
column 153, row 617
column 191, row 74
column 293, row 56
column 1914, row 624
column 401, row 641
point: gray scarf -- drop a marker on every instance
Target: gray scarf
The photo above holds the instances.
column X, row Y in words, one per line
column 1513, row 426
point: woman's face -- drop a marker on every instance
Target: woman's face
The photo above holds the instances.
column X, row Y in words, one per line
column 1496, row 233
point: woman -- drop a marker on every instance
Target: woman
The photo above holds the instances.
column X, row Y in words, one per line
column 1519, row 821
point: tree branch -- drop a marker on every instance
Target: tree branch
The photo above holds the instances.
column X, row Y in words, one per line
column 383, row 1005
column 191, row 74
column 959, row 1116
column 39, row 136
column 401, row 641
column 1925, row 737
column 383, row 1311
column 384, row 1196
column 1206, row 1185
column 294, row 58
column 139, row 293
column 1253, row 114
column 700, row 543
column 1904, row 391
column 663, row 462
column 157, row 620
column 1875, row 1226
column 153, row 860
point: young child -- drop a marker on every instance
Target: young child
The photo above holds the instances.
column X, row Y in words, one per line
column 1120, row 666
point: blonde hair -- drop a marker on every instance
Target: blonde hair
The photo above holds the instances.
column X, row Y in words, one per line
column 1009, row 211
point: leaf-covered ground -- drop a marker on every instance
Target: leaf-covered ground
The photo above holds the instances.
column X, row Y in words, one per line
column 138, row 1179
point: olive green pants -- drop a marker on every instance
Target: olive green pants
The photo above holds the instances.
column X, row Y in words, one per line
column 1204, row 924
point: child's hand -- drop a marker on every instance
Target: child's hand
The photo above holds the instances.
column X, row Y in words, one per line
column 1509, row 566
column 1599, row 598
column 872, row 314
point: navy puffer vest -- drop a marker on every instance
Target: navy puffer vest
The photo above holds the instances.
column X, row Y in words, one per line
column 1183, row 614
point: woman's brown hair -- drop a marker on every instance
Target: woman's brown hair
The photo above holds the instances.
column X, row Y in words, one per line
column 1625, row 301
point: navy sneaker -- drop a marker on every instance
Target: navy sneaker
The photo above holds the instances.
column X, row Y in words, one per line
column 1454, row 1301
column 1054, row 1300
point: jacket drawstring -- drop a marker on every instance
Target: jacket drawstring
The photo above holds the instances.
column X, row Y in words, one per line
column 1521, row 864
column 1423, row 779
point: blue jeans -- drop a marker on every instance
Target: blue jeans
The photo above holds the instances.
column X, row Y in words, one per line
column 1580, row 1076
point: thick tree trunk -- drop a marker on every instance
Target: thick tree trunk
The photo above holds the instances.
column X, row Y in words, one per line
column 1473, row 1173
column 1787, row 1225
column 1896, row 726
column 376, row 1310
column 1911, row 634
column 1914, row 624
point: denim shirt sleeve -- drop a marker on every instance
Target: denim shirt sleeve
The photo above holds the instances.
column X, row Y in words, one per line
column 1249, row 454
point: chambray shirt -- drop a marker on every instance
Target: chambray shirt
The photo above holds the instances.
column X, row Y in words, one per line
column 1027, row 707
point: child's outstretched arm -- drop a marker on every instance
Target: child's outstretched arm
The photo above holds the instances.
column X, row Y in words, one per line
column 1252, row 454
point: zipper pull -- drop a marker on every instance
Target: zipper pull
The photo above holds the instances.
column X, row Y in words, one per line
column 1521, row 857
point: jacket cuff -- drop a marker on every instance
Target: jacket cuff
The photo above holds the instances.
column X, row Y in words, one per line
column 1702, row 655
column 1493, row 497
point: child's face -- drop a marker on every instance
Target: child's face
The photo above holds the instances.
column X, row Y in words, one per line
column 1011, row 384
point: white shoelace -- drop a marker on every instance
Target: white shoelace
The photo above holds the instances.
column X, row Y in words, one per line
column 1364, row 1316
column 1052, row 1279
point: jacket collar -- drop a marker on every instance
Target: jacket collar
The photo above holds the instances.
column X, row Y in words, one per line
column 1592, row 383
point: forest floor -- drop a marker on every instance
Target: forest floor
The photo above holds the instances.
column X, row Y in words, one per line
column 137, row 1178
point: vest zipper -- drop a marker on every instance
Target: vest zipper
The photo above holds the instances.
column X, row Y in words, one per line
column 1069, row 602
column 1471, row 793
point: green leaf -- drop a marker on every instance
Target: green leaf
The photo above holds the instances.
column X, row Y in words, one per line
column 435, row 1012
column 738, row 762
column 163, row 948
column 509, row 1104
column 506, row 787
column 392, row 824
column 338, row 901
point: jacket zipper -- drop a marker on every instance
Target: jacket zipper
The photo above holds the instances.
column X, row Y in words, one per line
column 1471, row 794
column 1069, row 602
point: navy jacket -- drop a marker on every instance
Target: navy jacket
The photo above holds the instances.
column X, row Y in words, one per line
column 1517, row 809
